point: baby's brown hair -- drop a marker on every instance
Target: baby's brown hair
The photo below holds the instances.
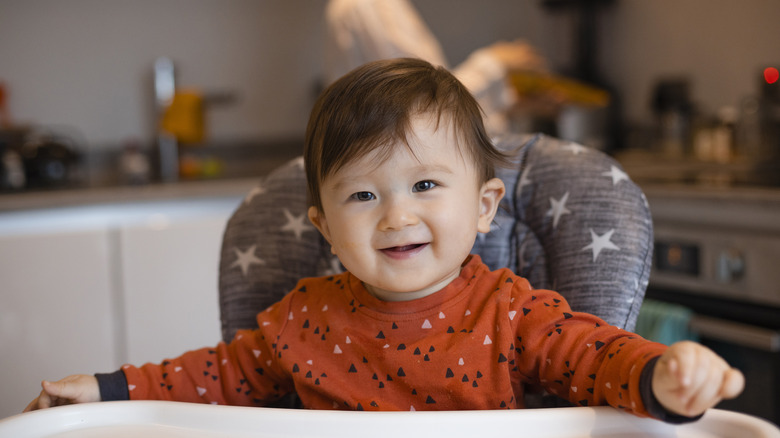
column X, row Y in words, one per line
column 371, row 108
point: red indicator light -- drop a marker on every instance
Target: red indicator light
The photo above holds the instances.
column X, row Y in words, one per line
column 771, row 75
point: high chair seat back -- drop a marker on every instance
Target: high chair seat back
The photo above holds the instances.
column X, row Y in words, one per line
column 571, row 221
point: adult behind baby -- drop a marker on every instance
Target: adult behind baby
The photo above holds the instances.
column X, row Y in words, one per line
column 400, row 175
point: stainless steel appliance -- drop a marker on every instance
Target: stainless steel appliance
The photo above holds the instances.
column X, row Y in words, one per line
column 718, row 252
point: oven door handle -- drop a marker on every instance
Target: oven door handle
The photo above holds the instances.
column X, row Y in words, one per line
column 736, row 333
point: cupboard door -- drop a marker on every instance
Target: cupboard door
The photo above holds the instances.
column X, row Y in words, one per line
column 169, row 275
column 57, row 310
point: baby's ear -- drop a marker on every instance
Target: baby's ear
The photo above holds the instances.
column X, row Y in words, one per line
column 317, row 218
column 490, row 194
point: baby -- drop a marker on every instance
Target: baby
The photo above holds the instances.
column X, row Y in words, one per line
column 401, row 179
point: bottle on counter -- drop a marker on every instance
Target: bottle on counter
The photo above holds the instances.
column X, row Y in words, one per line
column 715, row 139
column 134, row 164
column 724, row 135
column 12, row 176
column 674, row 111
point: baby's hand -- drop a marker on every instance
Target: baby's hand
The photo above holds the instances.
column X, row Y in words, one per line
column 690, row 378
column 79, row 388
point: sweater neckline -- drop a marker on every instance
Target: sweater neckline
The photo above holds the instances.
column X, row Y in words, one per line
column 457, row 288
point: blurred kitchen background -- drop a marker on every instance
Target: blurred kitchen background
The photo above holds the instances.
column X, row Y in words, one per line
column 82, row 71
column 100, row 211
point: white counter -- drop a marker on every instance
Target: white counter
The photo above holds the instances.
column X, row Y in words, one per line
column 125, row 194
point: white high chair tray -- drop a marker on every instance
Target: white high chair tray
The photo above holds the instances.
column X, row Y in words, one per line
column 156, row 419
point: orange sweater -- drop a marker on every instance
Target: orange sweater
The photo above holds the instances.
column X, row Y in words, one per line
column 469, row 346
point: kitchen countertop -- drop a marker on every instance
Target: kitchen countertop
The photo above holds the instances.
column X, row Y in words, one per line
column 767, row 196
column 753, row 208
column 737, row 194
column 126, row 194
column 719, row 201
column 243, row 167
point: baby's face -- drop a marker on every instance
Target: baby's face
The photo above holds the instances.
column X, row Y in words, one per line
column 405, row 225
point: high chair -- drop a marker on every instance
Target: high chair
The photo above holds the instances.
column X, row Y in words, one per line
column 571, row 221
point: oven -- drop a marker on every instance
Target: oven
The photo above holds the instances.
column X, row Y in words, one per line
column 717, row 252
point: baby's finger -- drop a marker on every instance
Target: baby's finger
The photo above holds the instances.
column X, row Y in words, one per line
column 673, row 366
column 53, row 388
column 33, row 405
column 705, row 372
column 672, row 377
column 704, row 392
column 686, row 365
column 43, row 401
column 63, row 391
column 733, row 383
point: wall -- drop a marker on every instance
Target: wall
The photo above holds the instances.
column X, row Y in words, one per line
column 721, row 45
column 87, row 63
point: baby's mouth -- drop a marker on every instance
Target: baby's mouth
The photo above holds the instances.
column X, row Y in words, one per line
column 405, row 247
column 403, row 250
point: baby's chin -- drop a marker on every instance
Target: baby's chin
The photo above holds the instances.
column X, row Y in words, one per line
column 396, row 295
column 409, row 293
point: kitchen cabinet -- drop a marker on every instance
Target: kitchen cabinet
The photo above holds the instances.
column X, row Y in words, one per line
column 56, row 310
column 169, row 271
column 86, row 289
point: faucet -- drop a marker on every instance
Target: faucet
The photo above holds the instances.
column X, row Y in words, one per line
column 167, row 145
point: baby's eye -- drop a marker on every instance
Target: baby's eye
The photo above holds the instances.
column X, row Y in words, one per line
column 363, row 196
column 423, row 186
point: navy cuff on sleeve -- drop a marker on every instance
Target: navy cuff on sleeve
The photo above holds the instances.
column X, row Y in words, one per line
column 653, row 406
column 113, row 386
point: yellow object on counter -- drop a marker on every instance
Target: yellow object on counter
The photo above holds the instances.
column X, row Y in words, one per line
column 195, row 167
column 558, row 88
column 184, row 117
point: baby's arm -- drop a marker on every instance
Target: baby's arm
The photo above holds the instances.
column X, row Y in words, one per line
column 79, row 388
column 689, row 378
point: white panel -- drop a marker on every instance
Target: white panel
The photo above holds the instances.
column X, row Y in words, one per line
column 56, row 311
column 86, row 289
column 170, row 272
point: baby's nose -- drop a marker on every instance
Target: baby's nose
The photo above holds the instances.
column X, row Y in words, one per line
column 398, row 214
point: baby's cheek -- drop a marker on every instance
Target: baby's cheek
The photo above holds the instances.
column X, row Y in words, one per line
column 343, row 247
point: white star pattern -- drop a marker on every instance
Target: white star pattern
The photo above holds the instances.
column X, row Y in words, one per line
column 524, row 180
column 521, row 261
column 616, row 174
column 296, row 224
column 644, row 201
column 600, row 243
column 259, row 190
column 630, row 299
column 246, row 259
column 575, row 148
column 558, row 208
